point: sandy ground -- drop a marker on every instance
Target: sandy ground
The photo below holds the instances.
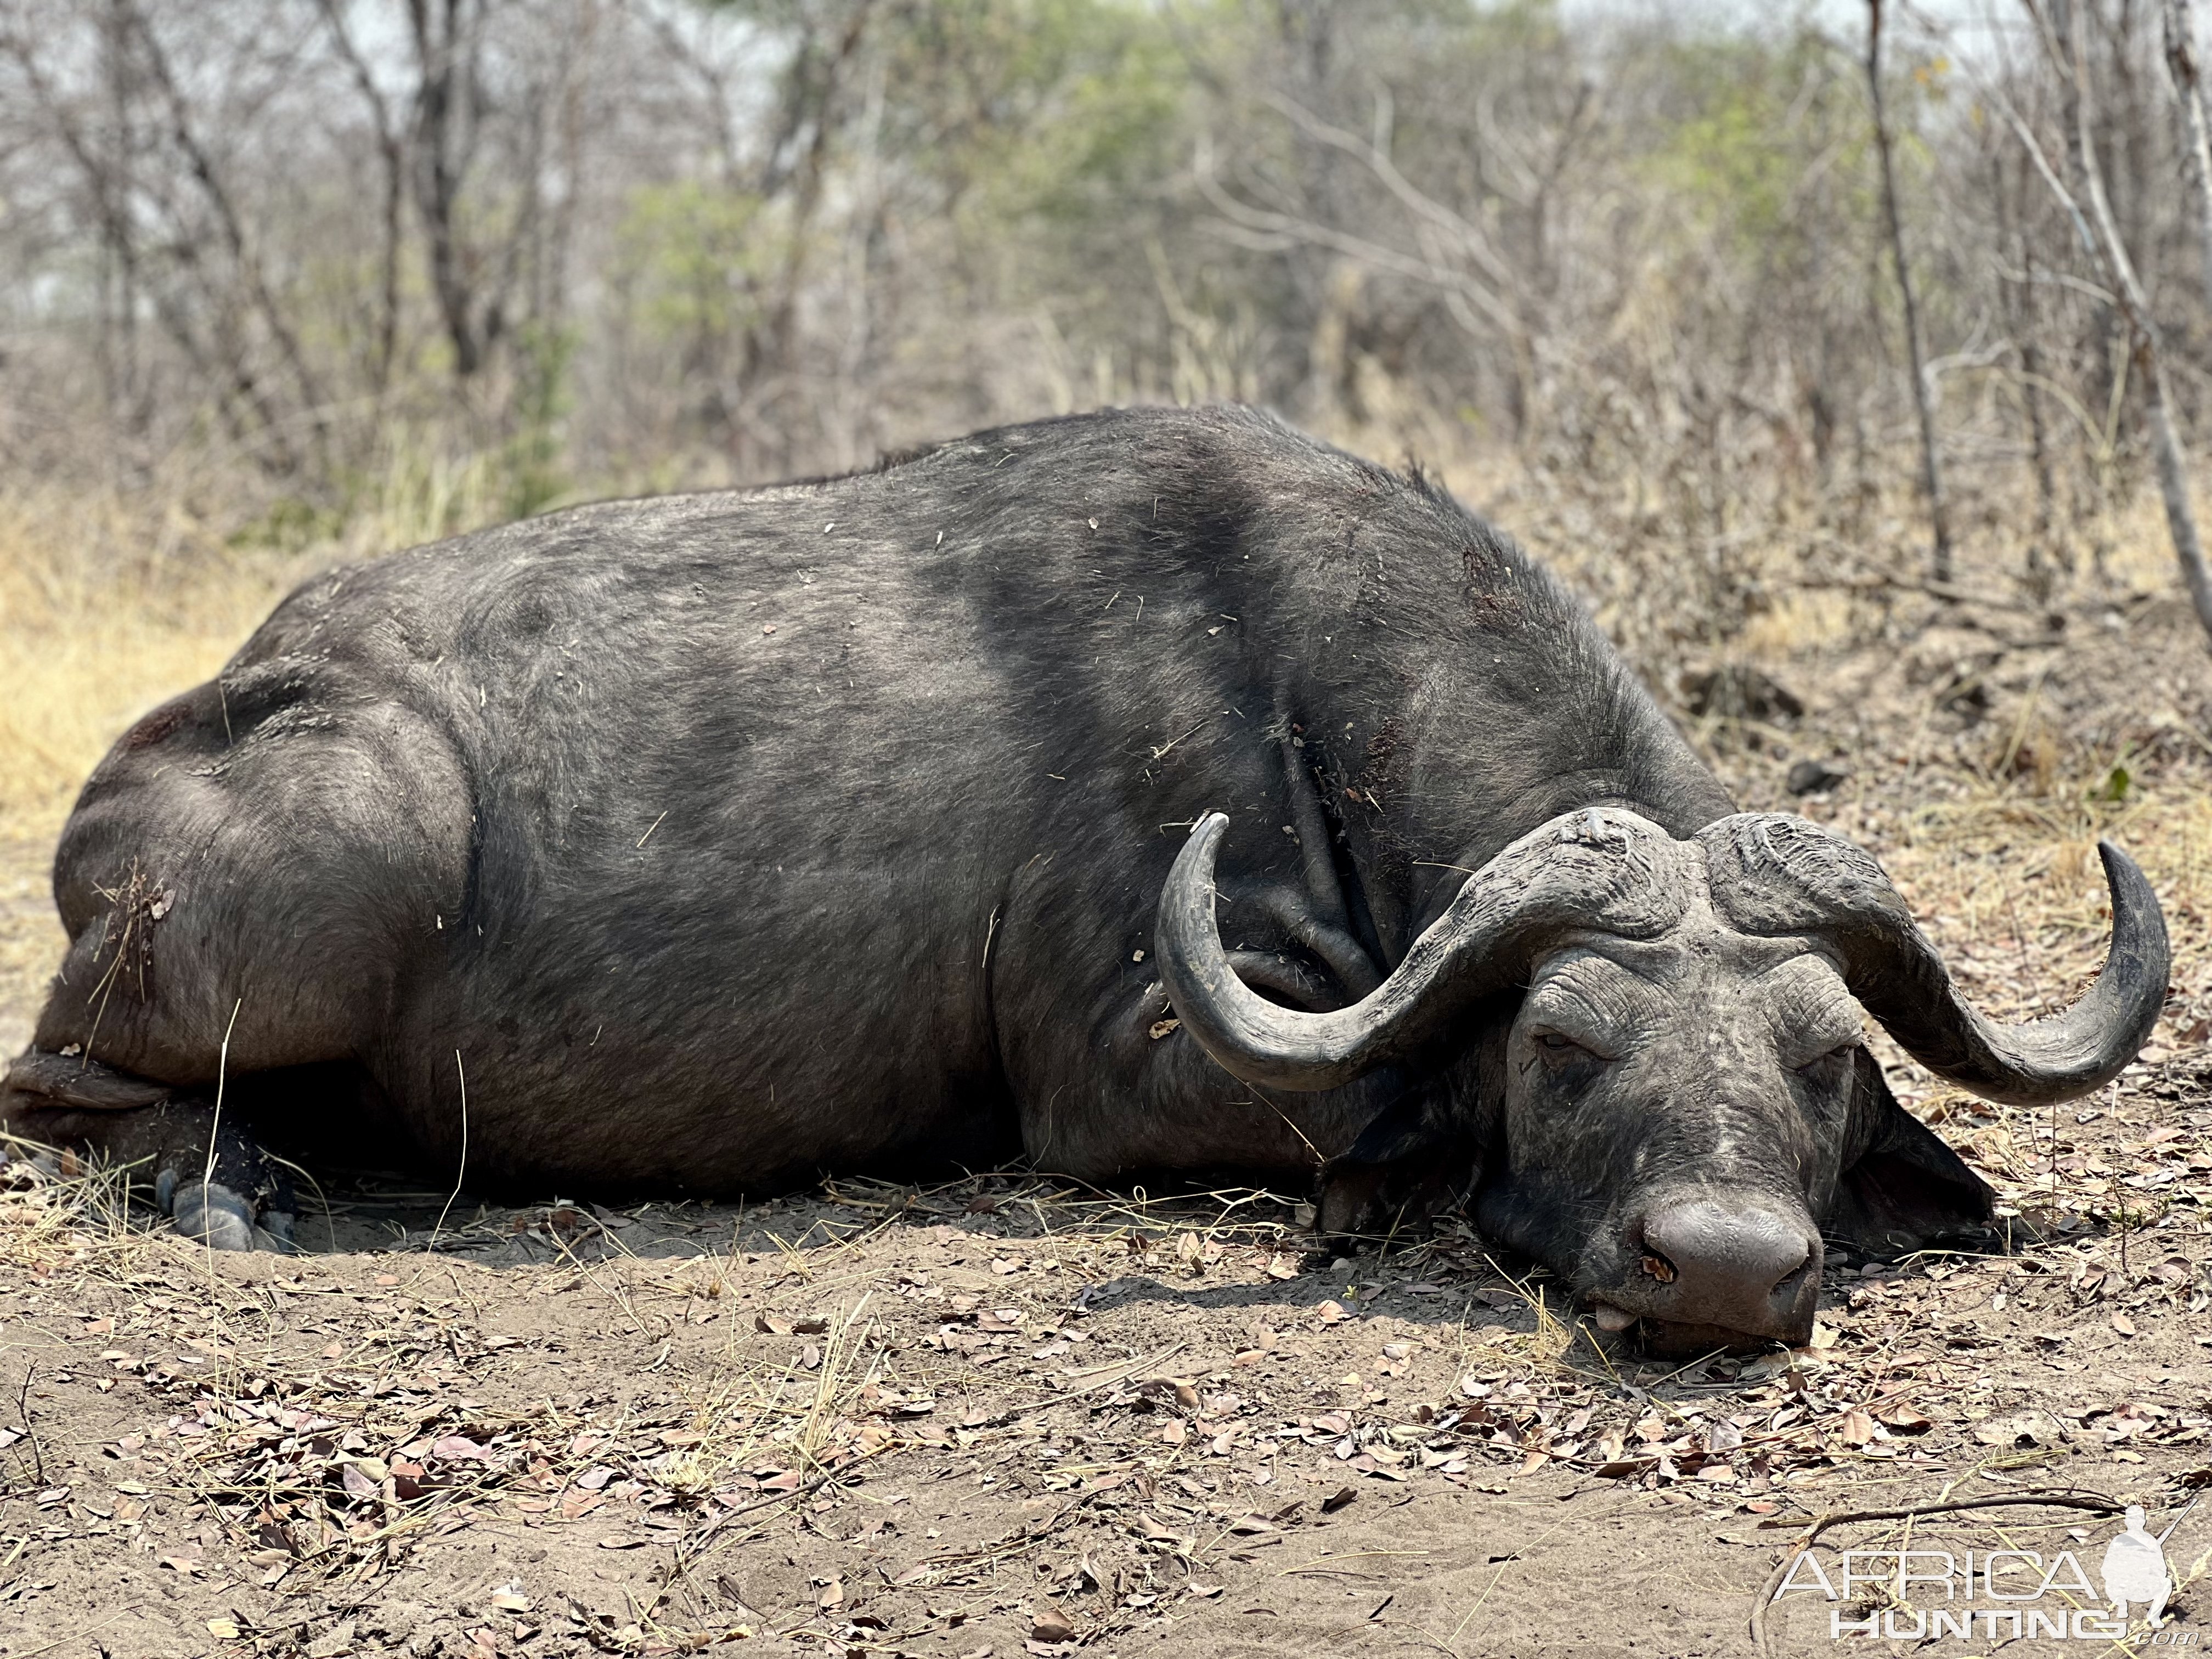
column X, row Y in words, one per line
column 1015, row 1417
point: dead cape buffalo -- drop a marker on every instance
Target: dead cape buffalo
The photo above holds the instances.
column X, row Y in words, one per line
column 878, row 823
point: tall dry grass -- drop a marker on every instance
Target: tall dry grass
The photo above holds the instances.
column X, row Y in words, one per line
column 109, row 605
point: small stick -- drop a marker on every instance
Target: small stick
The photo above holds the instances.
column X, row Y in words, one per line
column 23, row 1413
column 2096, row 1502
column 689, row 1552
column 461, row 1171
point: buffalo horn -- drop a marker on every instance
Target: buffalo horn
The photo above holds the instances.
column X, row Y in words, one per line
column 1772, row 873
column 1602, row 867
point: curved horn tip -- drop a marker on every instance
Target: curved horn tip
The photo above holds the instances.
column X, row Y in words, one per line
column 1208, row 820
column 2124, row 874
column 2109, row 854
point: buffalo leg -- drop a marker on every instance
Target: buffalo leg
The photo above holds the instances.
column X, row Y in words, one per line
column 217, row 1185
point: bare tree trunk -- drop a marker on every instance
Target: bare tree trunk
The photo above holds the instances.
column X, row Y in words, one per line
column 445, row 65
column 816, row 86
column 2132, row 301
column 1931, row 463
column 2196, row 145
column 245, row 255
column 2150, row 362
column 238, row 395
column 2172, row 479
column 391, row 154
column 2015, row 293
column 127, row 413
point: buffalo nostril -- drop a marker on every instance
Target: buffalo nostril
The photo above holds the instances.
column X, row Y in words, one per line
column 1738, row 1265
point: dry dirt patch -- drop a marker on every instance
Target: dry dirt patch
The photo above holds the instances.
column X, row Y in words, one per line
column 1008, row 1415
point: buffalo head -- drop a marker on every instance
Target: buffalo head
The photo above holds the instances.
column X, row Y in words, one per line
column 1648, row 1060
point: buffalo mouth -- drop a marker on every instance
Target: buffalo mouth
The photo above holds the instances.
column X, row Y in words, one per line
column 1717, row 1267
column 1685, row 1339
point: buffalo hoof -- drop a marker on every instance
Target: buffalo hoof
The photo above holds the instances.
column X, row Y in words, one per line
column 207, row 1212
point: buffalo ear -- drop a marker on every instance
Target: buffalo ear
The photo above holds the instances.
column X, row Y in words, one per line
column 1423, row 1152
column 1907, row 1189
column 1402, row 1170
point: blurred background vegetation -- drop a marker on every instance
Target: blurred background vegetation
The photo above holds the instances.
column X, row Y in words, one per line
column 339, row 275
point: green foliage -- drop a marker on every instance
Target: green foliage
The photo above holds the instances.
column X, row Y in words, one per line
column 289, row 523
column 691, row 253
column 530, row 460
column 1759, row 116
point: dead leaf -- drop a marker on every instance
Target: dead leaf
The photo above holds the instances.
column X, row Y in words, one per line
column 1052, row 1625
column 1337, row 1499
column 1855, row 1427
column 2122, row 1324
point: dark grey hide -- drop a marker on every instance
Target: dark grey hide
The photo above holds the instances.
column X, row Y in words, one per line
column 720, row 839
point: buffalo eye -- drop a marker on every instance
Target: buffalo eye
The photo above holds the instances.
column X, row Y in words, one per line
column 1828, row 1057
column 1557, row 1049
